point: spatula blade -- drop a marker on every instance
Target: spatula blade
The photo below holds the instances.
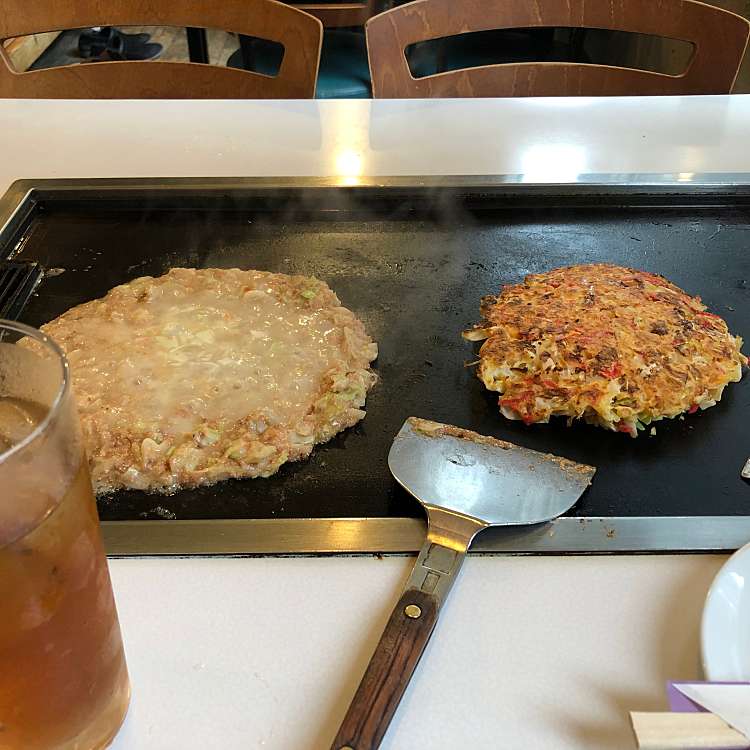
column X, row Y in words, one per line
column 488, row 479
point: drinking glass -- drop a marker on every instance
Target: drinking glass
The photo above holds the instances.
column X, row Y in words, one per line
column 63, row 680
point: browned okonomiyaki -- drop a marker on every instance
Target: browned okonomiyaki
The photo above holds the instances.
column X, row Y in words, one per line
column 617, row 347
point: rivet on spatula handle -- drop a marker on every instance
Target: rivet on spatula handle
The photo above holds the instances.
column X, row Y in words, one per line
column 396, row 656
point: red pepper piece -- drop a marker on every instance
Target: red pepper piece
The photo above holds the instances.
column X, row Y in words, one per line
column 613, row 371
column 654, row 279
column 520, row 404
column 693, row 409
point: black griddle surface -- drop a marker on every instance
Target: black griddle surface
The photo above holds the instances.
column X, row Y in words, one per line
column 414, row 274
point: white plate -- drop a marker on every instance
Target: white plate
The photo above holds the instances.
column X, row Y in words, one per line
column 725, row 628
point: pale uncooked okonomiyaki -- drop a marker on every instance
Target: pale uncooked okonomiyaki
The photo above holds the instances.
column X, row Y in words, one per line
column 617, row 347
column 203, row 375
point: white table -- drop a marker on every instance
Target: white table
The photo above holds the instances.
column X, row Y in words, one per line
column 531, row 652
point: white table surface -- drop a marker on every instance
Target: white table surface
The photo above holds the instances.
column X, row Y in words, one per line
column 530, row 652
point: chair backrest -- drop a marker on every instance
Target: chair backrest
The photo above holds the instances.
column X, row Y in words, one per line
column 299, row 33
column 338, row 14
column 719, row 38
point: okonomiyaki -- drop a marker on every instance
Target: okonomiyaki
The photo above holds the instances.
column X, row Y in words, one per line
column 617, row 347
column 203, row 375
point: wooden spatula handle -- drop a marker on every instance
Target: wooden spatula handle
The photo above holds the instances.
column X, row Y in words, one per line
column 391, row 667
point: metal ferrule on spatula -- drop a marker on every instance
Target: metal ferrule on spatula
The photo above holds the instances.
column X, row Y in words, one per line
column 468, row 482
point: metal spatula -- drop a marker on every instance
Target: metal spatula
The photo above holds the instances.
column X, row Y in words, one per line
column 466, row 483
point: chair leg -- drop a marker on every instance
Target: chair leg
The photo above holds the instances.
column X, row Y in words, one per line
column 247, row 51
column 197, row 44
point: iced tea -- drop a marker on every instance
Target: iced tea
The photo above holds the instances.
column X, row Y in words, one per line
column 63, row 679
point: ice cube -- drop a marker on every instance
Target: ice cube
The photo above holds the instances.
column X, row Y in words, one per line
column 16, row 421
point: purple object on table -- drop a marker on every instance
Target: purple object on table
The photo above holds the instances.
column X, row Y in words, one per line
column 680, row 703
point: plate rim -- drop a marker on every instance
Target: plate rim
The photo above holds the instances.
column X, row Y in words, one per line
column 708, row 604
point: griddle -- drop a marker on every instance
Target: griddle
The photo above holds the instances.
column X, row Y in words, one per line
column 412, row 259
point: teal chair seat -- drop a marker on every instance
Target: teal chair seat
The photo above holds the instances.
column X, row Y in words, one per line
column 344, row 72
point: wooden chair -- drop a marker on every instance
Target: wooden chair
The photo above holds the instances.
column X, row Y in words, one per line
column 337, row 15
column 719, row 38
column 344, row 72
column 299, row 33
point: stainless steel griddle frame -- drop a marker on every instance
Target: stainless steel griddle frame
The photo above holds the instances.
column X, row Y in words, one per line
column 298, row 536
